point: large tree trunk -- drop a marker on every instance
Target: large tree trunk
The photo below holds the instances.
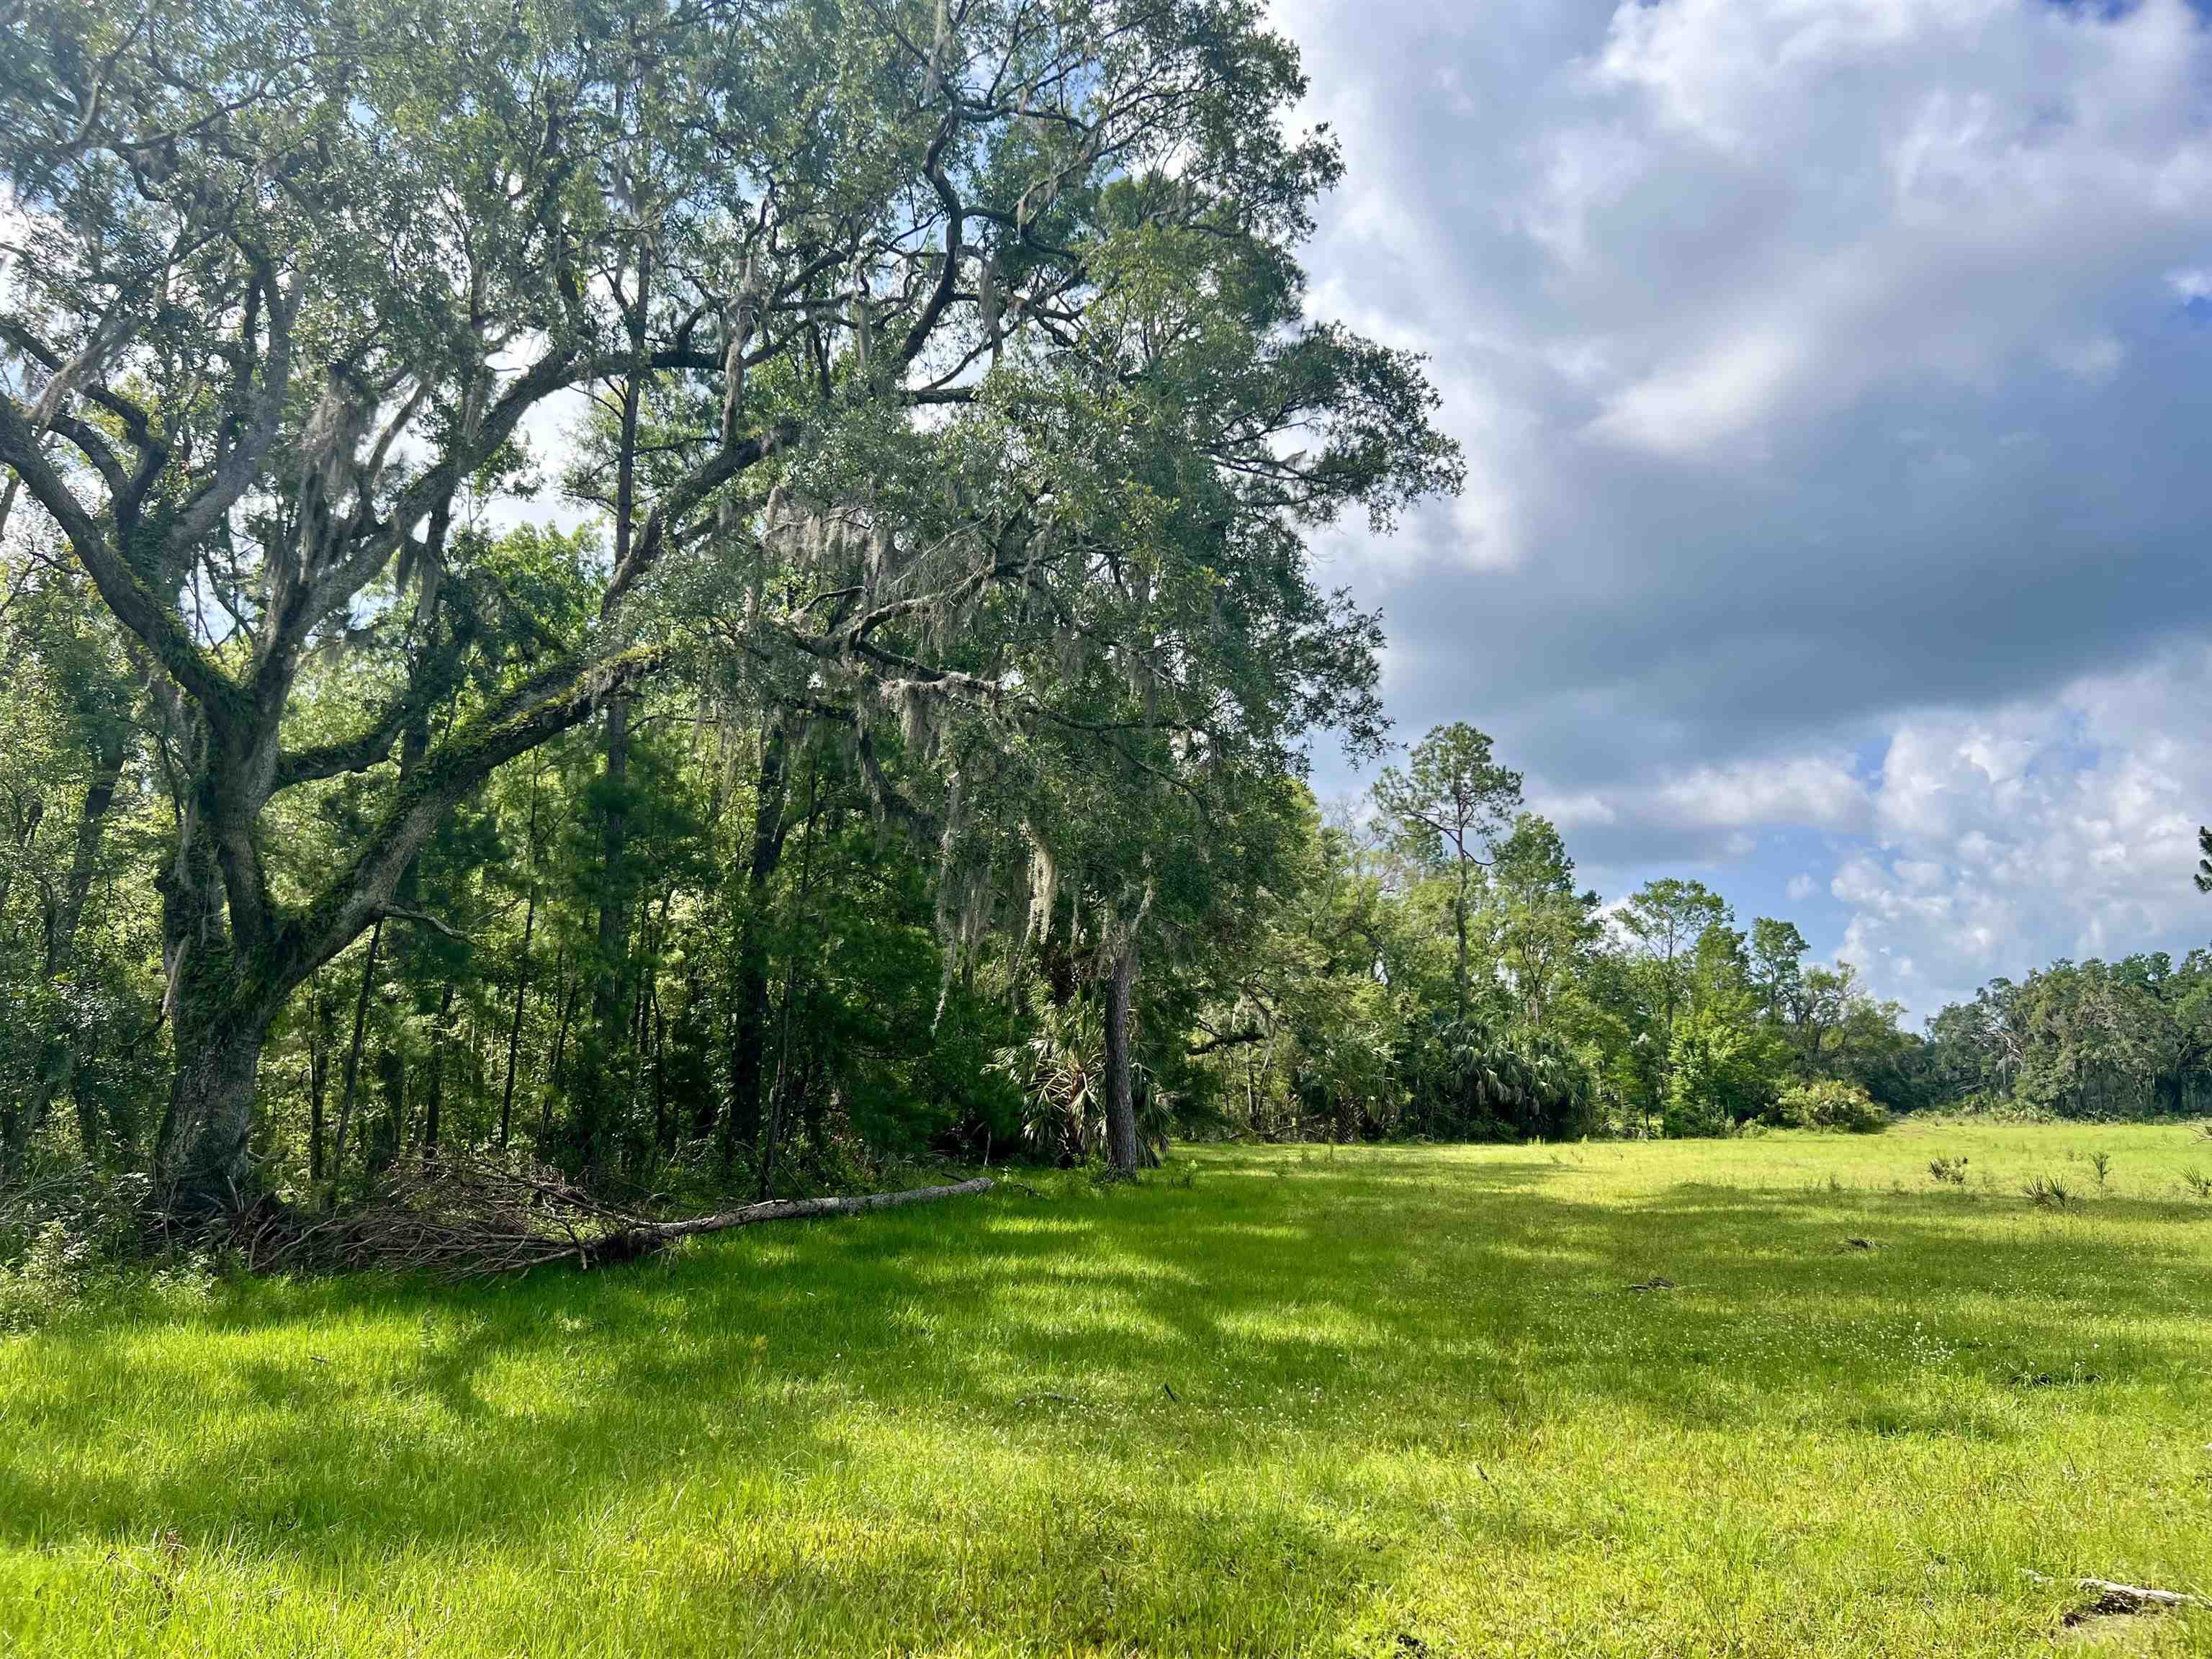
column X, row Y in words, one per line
column 1125, row 1153
column 200, row 1162
column 741, row 1120
column 204, row 1169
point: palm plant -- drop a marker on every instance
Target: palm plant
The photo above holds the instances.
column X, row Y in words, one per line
column 1061, row 1070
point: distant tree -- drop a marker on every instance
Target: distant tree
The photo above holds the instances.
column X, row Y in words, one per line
column 1453, row 802
column 1778, row 955
column 1666, row 918
column 1546, row 928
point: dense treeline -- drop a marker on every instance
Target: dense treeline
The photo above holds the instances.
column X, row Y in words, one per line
column 1437, row 970
column 2091, row 1039
column 718, row 595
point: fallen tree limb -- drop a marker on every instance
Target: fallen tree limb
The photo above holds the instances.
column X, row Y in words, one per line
column 2117, row 1598
column 2135, row 1598
column 479, row 1217
column 646, row 1236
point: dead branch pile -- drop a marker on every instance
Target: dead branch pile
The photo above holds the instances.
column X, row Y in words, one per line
column 477, row 1216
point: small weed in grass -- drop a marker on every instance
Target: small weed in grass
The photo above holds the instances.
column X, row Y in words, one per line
column 2048, row 1191
column 2197, row 1183
column 2100, row 1164
column 1950, row 1170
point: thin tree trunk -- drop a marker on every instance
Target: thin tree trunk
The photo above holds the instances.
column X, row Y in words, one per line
column 521, row 990
column 603, row 1035
column 646, row 1236
column 741, row 1120
column 1124, row 1153
column 318, row 1077
column 664, row 1135
column 353, row 1057
column 778, row 1098
column 567, row 989
column 434, row 1103
column 610, row 955
column 1459, row 920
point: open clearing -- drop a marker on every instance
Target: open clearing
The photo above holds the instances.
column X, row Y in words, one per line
column 1384, row 1401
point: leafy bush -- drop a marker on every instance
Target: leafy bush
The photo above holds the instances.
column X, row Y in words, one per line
column 1716, row 1078
column 44, row 1282
column 2047, row 1192
column 1952, row 1170
column 1831, row 1104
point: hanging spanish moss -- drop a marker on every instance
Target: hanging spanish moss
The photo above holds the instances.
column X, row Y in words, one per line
column 1044, row 888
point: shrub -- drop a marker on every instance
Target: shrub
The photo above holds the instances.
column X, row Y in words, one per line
column 2047, row 1192
column 1716, row 1080
column 44, row 1282
column 1831, row 1104
column 1950, row 1170
column 2198, row 1182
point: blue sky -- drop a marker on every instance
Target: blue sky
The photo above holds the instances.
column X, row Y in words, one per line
column 1836, row 385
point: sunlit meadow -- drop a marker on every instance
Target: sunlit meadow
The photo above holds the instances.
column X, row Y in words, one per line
column 1380, row 1402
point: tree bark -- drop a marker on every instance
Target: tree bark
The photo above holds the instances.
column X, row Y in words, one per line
column 1124, row 1151
column 211, row 1174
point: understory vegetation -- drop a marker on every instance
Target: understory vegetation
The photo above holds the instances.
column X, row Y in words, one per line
column 1772, row 1396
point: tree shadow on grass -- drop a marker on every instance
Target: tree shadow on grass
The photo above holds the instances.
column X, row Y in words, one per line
column 1203, row 1331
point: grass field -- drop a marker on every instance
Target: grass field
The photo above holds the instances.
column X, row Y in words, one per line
column 1384, row 1401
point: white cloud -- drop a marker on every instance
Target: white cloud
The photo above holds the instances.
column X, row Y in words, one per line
column 1684, row 410
column 1813, row 791
column 2061, row 827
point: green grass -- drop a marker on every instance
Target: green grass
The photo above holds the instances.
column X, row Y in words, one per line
column 1373, row 1401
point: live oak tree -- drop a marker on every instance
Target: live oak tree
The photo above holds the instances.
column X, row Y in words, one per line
column 944, row 342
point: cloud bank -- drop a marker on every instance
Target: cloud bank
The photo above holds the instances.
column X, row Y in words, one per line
column 1835, row 377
